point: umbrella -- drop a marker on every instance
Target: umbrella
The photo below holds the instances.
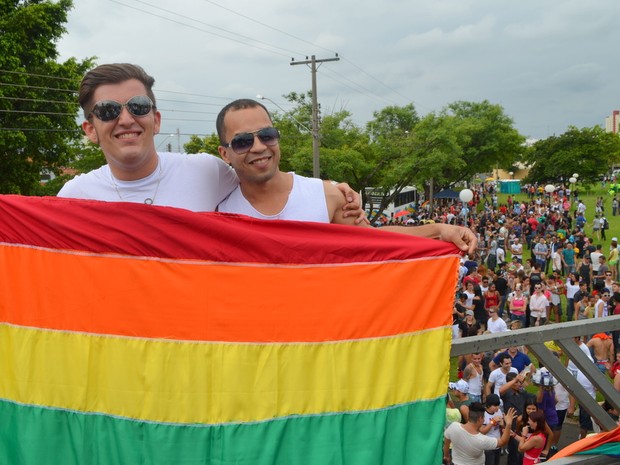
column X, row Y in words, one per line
column 402, row 213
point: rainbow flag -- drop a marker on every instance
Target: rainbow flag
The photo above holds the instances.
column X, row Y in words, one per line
column 606, row 443
column 132, row 334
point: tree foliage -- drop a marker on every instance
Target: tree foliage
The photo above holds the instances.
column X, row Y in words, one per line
column 38, row 96
column 588, row 152
column 487, row 137
column 207, row 144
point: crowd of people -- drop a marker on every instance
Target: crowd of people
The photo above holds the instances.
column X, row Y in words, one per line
column 537, row 263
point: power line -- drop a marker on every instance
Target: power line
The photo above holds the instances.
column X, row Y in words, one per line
column 37, row 100
column 25, row 86
column 375, row 79
column 209, row 32
column 37, row 112
column 36, row 75
column 269, row 27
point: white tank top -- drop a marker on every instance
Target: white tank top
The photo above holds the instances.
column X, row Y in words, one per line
column 306, row 202
column 475, row 384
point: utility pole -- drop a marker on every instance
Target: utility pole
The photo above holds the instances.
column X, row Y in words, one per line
column 316, row 172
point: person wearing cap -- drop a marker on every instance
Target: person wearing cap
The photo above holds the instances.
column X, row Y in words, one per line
column 469, row 327
column 468, row 443
column 460, row 398
column 493, row 423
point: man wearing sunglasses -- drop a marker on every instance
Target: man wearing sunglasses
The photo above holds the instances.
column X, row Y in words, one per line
column 122, row 118
column 250, row 144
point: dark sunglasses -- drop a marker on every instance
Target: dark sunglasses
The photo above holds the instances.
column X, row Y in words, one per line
column 242, row 143
column 109, row 110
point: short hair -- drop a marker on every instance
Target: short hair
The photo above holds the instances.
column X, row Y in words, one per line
column 510, row 376
column 502, row 357
column 113, row 73
column 239, row 104
column 476, row 412
column 492, row 400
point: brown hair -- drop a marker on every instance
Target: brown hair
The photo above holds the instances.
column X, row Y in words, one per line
column 239, row 104
column 539, row 417
column 113, row 73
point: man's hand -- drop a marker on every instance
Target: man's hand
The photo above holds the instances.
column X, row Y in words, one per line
column 352, row 207
column 463, row 238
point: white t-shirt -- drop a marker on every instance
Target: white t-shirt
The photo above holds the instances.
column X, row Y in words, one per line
column 498, row 378
column 467, row 448
column 496, row 326
column 195, row 182
column 495, row 431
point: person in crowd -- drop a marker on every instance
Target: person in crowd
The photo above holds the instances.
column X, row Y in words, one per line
column 520, row 360
column 585, row 421
column 469, row 327
column 572, row 286
column 495, row 324
column 517, row 305
column 497, row 378
column 602, row 348
column 473, row 375
column 515, row 397
column 468, row 443
column 460, row 398
column 538, row 307
column 491, row 299
column 600, row 307
column 556, row 290
column 492, row 427
column 532, row 438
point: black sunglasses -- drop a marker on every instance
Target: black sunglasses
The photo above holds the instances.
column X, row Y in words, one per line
column 109, row 110
column 242, row 143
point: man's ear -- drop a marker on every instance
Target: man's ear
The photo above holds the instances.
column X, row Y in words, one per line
column 223, row 153
column 90, row 131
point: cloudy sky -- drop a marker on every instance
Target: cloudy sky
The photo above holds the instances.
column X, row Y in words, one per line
column 549, row 63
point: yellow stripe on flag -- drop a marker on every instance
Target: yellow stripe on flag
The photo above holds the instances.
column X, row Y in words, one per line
column 222, row 382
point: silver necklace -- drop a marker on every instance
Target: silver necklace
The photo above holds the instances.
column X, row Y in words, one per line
column 148, row 200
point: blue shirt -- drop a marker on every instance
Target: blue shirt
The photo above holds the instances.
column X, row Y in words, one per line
column 519, row 361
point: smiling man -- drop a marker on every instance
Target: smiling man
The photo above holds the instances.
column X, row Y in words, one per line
column 250, row 144
column 122, row 118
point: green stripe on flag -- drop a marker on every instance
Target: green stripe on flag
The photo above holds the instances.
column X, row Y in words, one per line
column 412, row 433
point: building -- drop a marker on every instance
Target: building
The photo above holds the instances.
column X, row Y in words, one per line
column 612, row 123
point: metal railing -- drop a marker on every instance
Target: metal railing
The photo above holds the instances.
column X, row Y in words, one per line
column 563, row 334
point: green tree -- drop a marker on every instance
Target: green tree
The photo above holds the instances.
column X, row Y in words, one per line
column 207, row 144
column 487, row 137
column 589, row 152
column 38, row 98
column 422, row 153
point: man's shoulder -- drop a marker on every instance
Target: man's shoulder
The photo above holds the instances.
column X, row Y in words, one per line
column 74, row 187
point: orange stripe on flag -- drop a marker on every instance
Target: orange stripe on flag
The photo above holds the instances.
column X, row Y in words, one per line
column 108, row 294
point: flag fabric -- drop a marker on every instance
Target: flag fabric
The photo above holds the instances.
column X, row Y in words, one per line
column 607, row 443
column 134, row 334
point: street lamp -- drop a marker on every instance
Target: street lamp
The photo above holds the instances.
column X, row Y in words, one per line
column 315, row 137
column 466, row 195
column 549, row 189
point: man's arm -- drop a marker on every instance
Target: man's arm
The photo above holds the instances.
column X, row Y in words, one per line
column 463, row 238
column 352, row 207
